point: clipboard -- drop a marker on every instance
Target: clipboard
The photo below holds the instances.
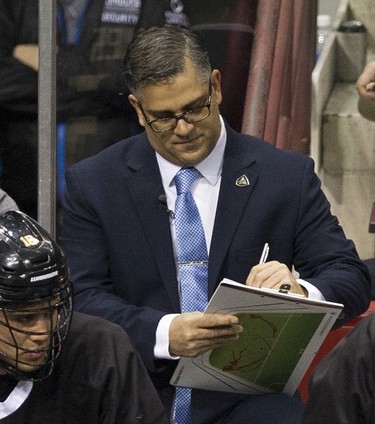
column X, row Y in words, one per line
column 282, row 333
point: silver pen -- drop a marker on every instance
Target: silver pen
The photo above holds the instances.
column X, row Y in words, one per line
column 264, row 254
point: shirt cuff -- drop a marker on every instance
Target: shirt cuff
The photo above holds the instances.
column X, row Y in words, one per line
column 312, row 291
column 161, row 348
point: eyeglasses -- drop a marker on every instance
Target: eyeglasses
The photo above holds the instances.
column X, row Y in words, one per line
column 191, row 116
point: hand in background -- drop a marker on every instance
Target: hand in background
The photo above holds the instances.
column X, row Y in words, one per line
column 365, row 84
column 28, row 54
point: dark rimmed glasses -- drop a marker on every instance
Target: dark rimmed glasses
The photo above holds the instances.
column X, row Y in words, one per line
column 191, row 116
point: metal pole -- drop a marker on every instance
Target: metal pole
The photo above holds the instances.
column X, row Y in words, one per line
column 47, row 116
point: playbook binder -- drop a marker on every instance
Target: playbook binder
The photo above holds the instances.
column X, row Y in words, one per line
column 282, row 333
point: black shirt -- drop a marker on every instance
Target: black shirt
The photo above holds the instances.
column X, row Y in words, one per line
column 98, row 379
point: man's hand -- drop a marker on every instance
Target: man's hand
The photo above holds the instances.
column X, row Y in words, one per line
column 28, row 54
column 365, row 84
column 272, row 275
column 193, row 333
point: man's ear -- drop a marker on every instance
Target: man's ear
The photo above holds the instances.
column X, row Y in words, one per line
column 216, row 85
column 134, row 102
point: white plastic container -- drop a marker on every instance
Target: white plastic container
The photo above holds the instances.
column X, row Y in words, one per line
column 323, row 28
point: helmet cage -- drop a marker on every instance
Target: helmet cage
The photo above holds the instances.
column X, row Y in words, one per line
column 58, row 309
column 34, row 282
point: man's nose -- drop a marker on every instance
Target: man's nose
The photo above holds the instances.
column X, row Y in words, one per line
column 183, row 127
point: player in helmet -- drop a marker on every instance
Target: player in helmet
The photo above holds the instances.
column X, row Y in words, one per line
column 35, row 298
column 56, row 365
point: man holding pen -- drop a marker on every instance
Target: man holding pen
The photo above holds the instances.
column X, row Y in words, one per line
column 151, row 265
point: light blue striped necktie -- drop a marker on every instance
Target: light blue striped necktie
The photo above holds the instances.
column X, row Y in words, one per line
column 193, row 267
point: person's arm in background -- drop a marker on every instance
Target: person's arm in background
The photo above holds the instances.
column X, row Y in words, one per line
column 19, row 64
column 27, row 54
column 365, row 86
column 366, row 81
column 18, row 81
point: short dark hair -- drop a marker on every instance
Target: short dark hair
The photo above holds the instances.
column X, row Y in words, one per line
column 158, row 54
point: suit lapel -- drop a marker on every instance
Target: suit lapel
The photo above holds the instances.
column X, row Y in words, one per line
column 144, row 183
column 237, row 184
column 145, row 187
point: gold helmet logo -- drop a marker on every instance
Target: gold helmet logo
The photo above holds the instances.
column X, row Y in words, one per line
column 29, row 240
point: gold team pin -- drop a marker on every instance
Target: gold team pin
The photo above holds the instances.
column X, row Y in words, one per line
column 242, row 181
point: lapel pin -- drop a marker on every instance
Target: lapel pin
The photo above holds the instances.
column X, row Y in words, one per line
column 242, row 181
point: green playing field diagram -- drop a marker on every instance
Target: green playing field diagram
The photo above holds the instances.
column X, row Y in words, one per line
column 269, row 347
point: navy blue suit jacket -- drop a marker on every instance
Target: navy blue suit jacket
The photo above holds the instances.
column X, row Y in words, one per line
column 118, row 242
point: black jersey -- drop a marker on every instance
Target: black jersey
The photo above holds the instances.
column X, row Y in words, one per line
column 98, row 379
column 342, row 387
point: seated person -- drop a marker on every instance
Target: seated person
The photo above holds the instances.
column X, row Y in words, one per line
column 57, row 366
column 342, row 387
column 141, row 260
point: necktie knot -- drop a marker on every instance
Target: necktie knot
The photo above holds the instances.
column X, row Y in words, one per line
column 185, row 178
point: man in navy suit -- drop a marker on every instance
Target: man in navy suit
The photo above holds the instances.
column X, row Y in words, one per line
column 119, row 231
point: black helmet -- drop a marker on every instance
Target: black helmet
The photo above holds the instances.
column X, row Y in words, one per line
column 34, row 281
